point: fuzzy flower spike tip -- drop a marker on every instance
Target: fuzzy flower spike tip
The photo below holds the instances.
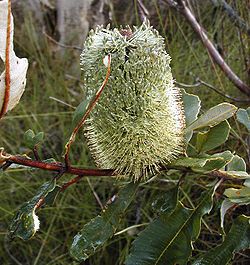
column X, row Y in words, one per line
column 138, row 123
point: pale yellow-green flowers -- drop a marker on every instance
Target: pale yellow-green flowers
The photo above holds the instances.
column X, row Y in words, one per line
column 137, row 125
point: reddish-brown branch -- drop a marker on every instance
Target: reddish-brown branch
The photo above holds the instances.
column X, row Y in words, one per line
column 83, row 120
column 7, row 64
column 215, row 55
column 71, row 182
column 59, row 167
column 62, row 169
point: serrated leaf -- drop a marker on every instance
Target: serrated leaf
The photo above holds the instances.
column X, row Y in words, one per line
column 18, row 66
column 25, row 223
column 213, row 138
column 168, row 239
column 236, row 164
column 237, row 239
column 243, row 116
column 213, row 116
column 95, row 233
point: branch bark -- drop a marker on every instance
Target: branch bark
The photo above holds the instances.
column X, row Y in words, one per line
column 233, row 15
column 215, row 55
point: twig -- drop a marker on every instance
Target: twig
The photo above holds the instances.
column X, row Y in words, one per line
column 61, row 44
column 95, row 194
column 215, row 55
column 7, row 64
column 35, row 152
column 62, row 102
column 71, row 182
column 200, row 82
column 144, row 14
column 89, row 109
column 233, row 15
column 58, row 167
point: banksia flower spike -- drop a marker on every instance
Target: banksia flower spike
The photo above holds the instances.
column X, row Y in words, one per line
column 137, row 125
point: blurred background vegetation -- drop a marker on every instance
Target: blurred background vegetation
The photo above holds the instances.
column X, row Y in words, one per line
column 54, row 89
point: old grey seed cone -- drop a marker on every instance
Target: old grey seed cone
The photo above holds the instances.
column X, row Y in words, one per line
column 138, row 123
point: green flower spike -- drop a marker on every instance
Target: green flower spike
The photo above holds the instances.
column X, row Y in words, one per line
column 137, row 125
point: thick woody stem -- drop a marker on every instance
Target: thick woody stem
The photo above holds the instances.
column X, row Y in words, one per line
column 215, row 55
column 7, row 65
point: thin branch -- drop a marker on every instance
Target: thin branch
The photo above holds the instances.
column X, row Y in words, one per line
column 58, row 167
column 233, row 15
column 7, row 64
column 61, row 44
column 200, row 83
column 144, row 14
column 35, row 153
column 71, row 182
column 95, row 194
column 215, row 55
column 89, row 109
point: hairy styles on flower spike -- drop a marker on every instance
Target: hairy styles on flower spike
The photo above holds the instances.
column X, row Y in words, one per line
column 137, row 125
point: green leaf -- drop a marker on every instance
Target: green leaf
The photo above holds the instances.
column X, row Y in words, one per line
column 243, row 116
column 237, row 239
column 31, row 139
column 225, row 206
column 168, row 239
column 166, row 202
column 38, row 138
column 28, row 138
column 213, row 138
column 52, row 195
column 95, row 233
column 213, row 116
column 25, row 222
column 222, row 160
column 240, row 196
column 192, row 105
column 247, row 183
column 194, row 162
column 237, row 174
column 236, row 164
column 205, row 164
column 80, row 111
